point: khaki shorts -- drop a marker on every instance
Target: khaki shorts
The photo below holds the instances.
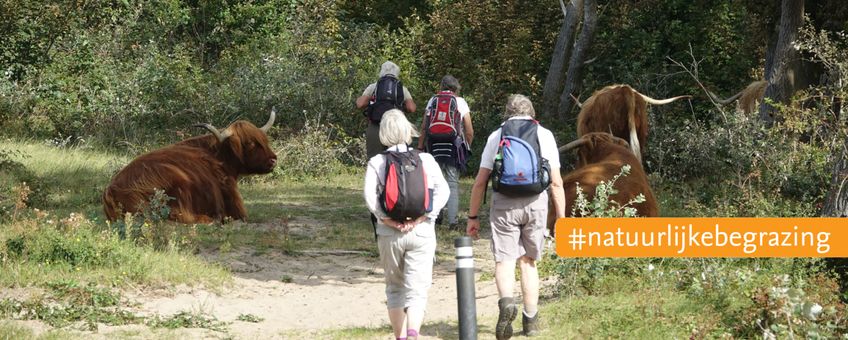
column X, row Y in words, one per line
column 518, row 227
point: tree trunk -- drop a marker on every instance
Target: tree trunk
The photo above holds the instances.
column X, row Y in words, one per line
column 779, row 89
column 836, row 201
column 565, row 40
column 836, row 205
column 578, row 57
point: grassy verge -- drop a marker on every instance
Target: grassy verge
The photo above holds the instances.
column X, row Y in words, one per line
column 67, row 263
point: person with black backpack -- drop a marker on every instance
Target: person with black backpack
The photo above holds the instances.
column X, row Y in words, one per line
column 522, row 161
column 405, row 190
column 447, row 132
column 385, row 94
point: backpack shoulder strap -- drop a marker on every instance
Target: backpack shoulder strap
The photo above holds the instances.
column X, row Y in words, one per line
column 400, row 96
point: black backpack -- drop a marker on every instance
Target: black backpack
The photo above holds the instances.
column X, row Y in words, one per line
column 388, row 94
column 405, row 195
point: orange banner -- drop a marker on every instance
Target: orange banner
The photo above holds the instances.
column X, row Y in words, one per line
column 702, row 237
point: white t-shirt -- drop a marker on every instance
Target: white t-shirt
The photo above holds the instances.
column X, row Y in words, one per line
column 547, row 144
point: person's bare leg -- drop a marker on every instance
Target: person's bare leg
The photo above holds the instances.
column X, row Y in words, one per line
column 397, row 316
column 505, row 278
column 414, row 319
column 529, row 285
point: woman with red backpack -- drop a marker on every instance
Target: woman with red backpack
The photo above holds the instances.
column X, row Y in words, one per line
column 405, row 190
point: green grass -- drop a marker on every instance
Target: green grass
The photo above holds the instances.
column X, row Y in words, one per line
column 55, row 245
column 74, row 178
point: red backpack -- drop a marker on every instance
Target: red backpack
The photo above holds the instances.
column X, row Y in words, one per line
column 444, row 118
column 405, row 195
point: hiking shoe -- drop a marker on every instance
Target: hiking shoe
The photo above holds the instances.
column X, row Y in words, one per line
column 530, row 325
column 508, row 311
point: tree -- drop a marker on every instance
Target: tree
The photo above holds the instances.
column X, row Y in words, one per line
column 558, row 91
column 578, row 57
column 780, row 83
column 565, row 40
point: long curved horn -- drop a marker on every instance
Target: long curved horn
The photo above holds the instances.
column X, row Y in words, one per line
column 725, row 101
column 270, row 122
column 574, row 144
column 576, row 101
column 221, row 136
column 662, row 101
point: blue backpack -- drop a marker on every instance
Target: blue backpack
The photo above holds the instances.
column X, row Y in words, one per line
column 519, row 168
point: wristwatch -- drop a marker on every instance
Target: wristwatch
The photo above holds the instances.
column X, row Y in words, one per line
column 472, row 217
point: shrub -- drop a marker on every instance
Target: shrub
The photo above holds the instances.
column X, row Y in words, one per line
column 151, row 227
column 601, row 204
column 313, row 152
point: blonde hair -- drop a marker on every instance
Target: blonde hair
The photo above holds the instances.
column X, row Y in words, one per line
column 519, row 105
column 395, row 129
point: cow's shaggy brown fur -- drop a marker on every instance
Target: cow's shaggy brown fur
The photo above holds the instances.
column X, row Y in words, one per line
column 200, row 173
column 601, row 157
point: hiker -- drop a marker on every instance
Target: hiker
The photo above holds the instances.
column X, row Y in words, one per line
column 521, row 158
column 405, row 190
column 447, row 132
column 378, row 98
column 385, row 94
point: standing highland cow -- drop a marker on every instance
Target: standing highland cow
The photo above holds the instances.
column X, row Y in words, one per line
column 200, row 174
column 621, row 111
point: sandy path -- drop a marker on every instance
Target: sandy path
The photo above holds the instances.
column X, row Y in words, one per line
column 324, row 292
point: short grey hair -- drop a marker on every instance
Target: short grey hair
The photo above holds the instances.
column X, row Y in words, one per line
column 395, row 129
column 519, row 105
column 450, row 83
column 389, row 68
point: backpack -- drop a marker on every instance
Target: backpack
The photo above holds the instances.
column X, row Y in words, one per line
column 405, row 195
column 388, row 94
column 444, row 118
column 519, row 168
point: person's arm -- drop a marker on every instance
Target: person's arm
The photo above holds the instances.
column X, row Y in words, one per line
column 409, row 106
column 370, row 191
column 362, row 101
column 441, row 191
column 468, row 129
column 477, row 190
column 557, row 193
column 422, row 135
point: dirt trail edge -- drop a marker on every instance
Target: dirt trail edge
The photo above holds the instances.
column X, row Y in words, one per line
column 314, row 292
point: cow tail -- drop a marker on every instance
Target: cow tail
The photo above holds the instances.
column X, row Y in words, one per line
column 631, row 123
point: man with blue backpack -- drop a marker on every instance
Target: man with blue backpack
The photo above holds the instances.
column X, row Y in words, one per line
column 522, row 161
column 446, row 131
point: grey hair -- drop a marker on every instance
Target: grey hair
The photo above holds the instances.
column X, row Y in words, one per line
column 395, row 129
column 450, row 83
column 389, row 68
column 519, row 105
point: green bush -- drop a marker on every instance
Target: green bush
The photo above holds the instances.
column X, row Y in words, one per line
column 77, row 247
column 313, row 152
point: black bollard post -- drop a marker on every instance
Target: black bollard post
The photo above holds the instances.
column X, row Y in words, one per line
column 465, row 295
